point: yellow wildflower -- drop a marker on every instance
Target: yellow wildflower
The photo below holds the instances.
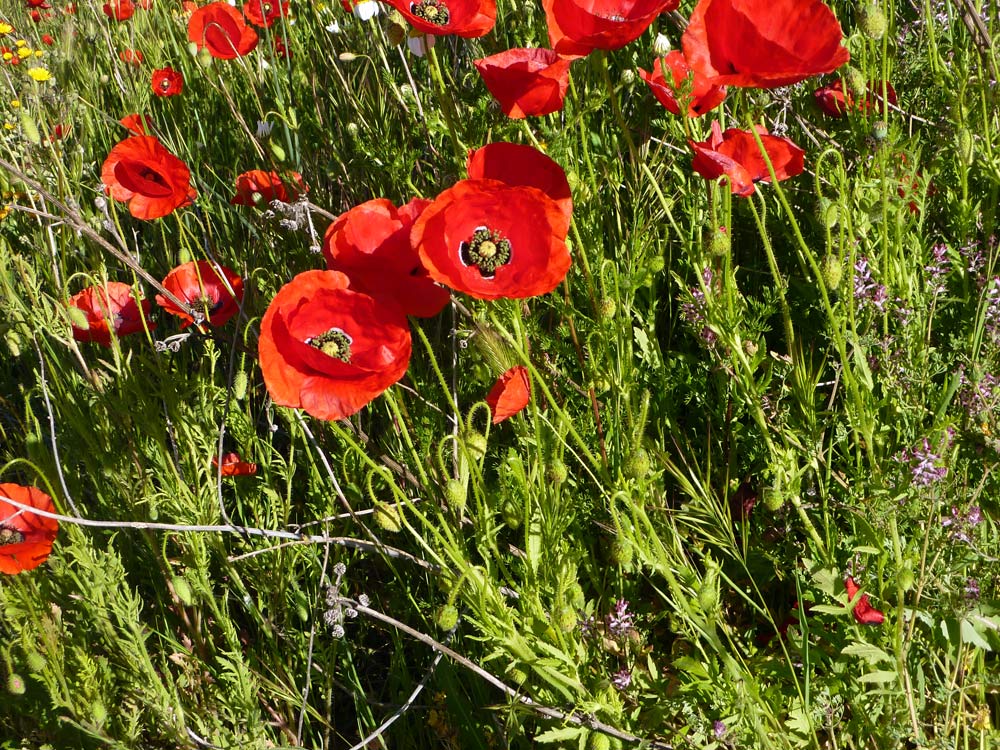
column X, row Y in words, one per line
column 39, row 52
column 15, row 103
column 39, row 74
column 8, row 56
column 5, row 28
column 20, row 43
column 24, row 52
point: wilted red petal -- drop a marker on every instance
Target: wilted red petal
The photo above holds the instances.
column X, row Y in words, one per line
column 234, row 466
column 863, row 611
column 735, row 154
column 509, row 394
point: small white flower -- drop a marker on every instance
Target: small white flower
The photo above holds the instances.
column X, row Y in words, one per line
column 333, row 28
column 420, row 43
column 366, row 10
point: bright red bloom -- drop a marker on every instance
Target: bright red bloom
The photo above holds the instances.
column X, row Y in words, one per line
column 526, row 81
column 263, row 13
column 509, row 394
column 281, row 48
column 514, row 164
column 137, row 124
column 25, row 537
column 234, row 466
column 371, row 244
column 120, row 10
column 131, row 56
column 465, row 18
column 212, row 288
column 763, row 43
column 492, row 240
column 37, row 4
column 735, row 154
column 167, row 82
column 329, row 349
column 835, row 102
column 141, row 171
column 577, row 27
column 863, row 611
column 220, row 28
column 47, row 40
column 704, row 96
column 107, row 308
column 258, row 186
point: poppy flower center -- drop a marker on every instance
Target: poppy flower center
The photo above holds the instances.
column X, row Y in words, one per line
column 487, row 250
column 206, row 303
column 164, row 84
column 334, row 343
column 10, row 536
column 432, row 11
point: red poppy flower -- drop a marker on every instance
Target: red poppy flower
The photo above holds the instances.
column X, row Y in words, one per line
column 704, row 96
column 219, row 28
column 465, row 18
column 835, row 102
column 863, row 611
column 371, row 244
column 137, row 124
column 120, row 10
column 509, row 394
column 492, row 240
column 763, row 43
column 526, row 81
column 141, row 171
column 25, row 537
column 47, row 40
column 329, row 349
column 167, row 82
column 131, row 56
column 263, row 13
column 514, row 164
column 577, row 27
column 258, row 186
column 37, row 4
column 109, row 307
column 281, row 48
column 735, row 154
column 234, row 466
column 212, row 288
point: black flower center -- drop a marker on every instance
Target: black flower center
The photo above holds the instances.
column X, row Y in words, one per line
column 10, row 536
column 487, row 250
column 207, row 304
column 334, row 343
column 266, row 8
column 432, row 11
column 164, row 84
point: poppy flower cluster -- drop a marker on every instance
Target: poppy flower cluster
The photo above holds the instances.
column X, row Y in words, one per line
column 25, row 537
column 115, row 307
column 142, row 172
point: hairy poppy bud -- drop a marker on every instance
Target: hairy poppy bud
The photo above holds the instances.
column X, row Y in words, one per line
column 511, row 514
column 637, row 465
column 966, row 146
column 608, row 309
column 717, row 243
column 833, row 271
column 35, row 661
column 388, row 518
column 475, row 443
column 240, row 382
column 556, row 472
column 455, row 495
column 621, row 553
column 15, row 684
column 446, row 617
column 854, row 80
column 827, row 212
column 873, row 22
column 99, row 712
column 598, row 741
column 565, row 619
column 183, row 590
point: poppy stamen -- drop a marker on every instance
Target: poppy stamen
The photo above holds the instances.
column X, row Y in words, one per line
column 334, row 343
column 487, row 250
column 10, row 536
column 432, row 11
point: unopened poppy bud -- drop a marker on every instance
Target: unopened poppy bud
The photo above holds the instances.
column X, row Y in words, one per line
column 906, row 577
column 347, row 56
column 77, row 318
column 204, row 57
column 15, row 684
column 511, row 514
column 854, row 80
column 575, row 595
column 446, row 617
column 556, row 471
column 637, row 465
column 240, row 383
column 183, row 590
column 873, row 22
column 828, row 212
column 598, row 741
column 14, row 344
column 29, row 129
column 475, row 443
column 661, row 45
column 388, row 518
column 35, row 661
column 628, row 76
column 621, row 553
column 833, row 271
column 718, row 243
column 880, row 130
column 99, row 712
column 656, row 264
column 966, row 146
column 608, row 309
column 565, row 619
column 455, row 494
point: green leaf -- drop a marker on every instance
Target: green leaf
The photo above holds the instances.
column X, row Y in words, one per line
column 562, row 734
column 868, row 652
column 879, row 676
column 972, row 635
